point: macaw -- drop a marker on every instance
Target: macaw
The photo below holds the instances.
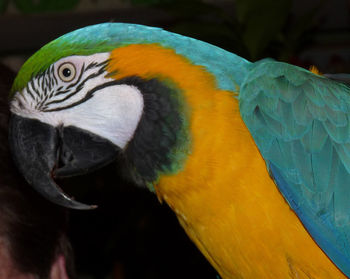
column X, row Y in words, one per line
column 253, row 158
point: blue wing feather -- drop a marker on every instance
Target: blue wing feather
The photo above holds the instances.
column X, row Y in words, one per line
column 300, row 122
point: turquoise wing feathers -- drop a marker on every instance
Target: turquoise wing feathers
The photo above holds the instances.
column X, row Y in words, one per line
column 301, row 125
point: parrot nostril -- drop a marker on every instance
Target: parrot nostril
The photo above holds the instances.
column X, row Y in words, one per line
column 65, row 160
column 65, row 157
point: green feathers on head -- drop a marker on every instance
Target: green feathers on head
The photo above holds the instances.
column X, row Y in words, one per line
column 64, row 46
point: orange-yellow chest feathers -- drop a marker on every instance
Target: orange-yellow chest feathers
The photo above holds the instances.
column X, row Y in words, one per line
column 222, row 193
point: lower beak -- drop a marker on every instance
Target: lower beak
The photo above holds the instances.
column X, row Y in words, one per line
column 43, row 152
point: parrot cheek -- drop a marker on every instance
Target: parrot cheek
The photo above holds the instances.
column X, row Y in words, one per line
column 42, row 152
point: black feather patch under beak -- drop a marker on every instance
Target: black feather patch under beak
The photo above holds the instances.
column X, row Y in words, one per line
column 42, row 153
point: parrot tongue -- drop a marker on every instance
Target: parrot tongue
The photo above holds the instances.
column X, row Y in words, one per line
column 42, row 152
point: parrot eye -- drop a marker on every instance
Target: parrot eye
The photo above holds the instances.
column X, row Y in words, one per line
column 66, row 72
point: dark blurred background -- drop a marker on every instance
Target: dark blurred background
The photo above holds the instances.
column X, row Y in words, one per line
column 131, row 235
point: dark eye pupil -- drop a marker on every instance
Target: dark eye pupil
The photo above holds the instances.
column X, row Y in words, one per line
column 66, row 72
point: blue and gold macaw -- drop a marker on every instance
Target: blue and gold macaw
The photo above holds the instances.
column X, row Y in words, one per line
column 254, row 158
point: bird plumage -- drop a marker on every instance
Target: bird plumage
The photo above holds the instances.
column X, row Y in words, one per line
column 252, row 157
column 108, row 36
column 300, row 123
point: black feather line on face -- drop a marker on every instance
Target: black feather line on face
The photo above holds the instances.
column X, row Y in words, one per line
column 78, row 88
column 87, row 96
column 30, row 93
column 31, row 83
column 52, row 74
column 78, row 80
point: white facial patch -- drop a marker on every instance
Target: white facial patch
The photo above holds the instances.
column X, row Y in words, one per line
column 90, row 101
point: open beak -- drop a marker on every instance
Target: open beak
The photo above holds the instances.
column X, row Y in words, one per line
column 43, row 152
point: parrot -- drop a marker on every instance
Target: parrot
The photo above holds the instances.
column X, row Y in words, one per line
column 252, row 157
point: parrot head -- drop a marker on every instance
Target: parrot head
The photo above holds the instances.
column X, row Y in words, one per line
column 74, row 109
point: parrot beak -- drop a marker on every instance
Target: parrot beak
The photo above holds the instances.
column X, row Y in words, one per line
column 43, row 152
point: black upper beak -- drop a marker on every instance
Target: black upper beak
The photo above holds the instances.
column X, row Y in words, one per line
column 42, row 153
